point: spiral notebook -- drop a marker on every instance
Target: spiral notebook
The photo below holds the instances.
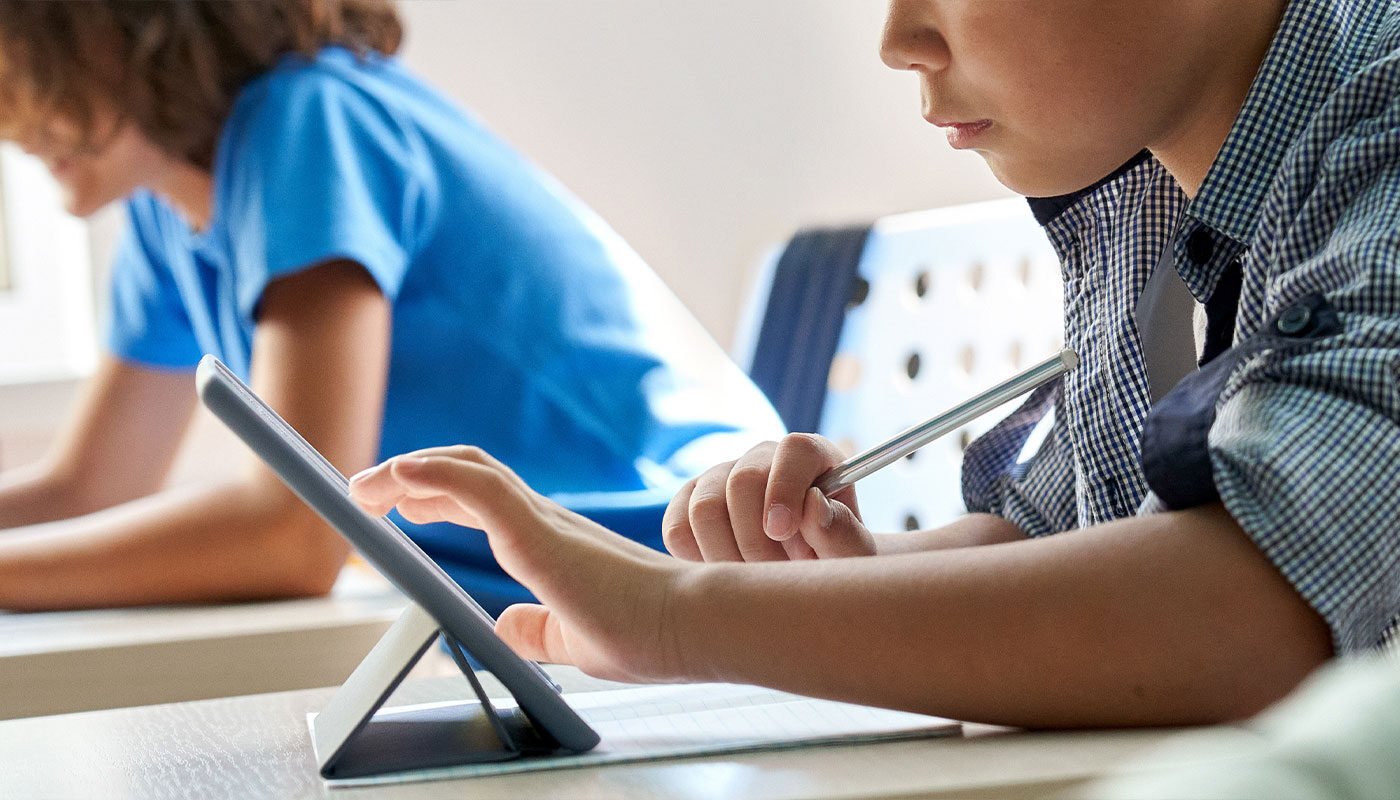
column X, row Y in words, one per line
column 651, row 723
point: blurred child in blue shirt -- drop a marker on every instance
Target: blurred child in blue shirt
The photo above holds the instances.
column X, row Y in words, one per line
column 386, row 272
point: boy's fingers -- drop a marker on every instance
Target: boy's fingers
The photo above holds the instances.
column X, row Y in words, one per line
column 833, row 530
column 378, row 484
column 745, row 488
column 376, row 490
column 847, row 498
column 411, row 482
column 709, row 516
column 533, row 632
column 375, row 508
column 438, row 508
column 675, row 526
column 365, row 476
column 478, row 490
column 797, row 461
column 460, row 452
column 382, row 475
column 797, row 549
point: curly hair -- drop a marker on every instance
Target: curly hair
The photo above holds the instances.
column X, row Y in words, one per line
column 171, row 67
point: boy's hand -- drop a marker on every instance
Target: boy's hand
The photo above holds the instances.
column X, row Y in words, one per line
column 608, row 601
column 763, row 508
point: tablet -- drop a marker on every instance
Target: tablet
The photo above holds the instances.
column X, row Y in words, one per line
column 389, row 549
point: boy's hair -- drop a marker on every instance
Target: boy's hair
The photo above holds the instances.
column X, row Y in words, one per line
column 171, row 67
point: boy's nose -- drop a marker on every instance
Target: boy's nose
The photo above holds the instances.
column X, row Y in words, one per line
column 911, row 41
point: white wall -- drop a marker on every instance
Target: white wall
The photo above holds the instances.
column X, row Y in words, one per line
column 705, row 131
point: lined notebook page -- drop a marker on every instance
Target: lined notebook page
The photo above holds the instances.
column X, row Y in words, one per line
column 649, row 723
column 700, row 715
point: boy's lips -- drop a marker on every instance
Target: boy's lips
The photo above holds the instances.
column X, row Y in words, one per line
column 962, row 134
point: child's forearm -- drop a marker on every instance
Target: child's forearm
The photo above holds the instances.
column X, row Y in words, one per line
column 1170, row 618
column 972, row 530
column 1175, row 618
column 37, row 493
column 236, row 541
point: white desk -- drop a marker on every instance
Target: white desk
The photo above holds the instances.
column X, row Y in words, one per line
column 52, row 663
column 258, row 747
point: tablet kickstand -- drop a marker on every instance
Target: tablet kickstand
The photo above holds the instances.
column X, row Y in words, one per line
column 513, row 726
column 352, row 740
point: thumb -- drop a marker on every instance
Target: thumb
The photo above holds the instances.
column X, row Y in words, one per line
column 832, row 529
column 534, row 633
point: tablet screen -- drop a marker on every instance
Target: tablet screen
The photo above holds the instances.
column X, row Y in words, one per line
column 333, row 477
column 388, row 548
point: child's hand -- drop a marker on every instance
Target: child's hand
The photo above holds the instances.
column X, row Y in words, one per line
column 763, row 508
column 606, row 598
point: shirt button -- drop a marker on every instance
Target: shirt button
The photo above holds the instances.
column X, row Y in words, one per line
column 1294, row 319
column 1200, row 246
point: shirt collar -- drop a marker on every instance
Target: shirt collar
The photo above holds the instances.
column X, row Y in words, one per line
column 1318, row 43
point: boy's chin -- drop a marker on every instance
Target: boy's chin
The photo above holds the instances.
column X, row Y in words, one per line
column 83, row 206
column 1030, row 182
column 1041, row 180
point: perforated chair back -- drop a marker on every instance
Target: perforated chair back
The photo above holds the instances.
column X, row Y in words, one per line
column 942, row 304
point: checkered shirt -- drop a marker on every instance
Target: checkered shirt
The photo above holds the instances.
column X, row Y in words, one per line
column 1304, row 198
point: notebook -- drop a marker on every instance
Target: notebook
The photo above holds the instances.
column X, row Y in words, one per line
column 651, row 723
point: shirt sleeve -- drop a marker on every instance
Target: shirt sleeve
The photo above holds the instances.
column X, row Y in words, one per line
column 147, row 322
column 317, row 170
column 1305, row 449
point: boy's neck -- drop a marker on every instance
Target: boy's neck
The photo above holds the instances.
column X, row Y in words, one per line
column 1189, row 149
column 190, row 190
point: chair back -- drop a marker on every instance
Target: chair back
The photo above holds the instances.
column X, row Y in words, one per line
column 936, row 306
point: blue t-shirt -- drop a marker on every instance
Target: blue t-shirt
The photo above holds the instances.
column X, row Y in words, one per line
column 521, row 322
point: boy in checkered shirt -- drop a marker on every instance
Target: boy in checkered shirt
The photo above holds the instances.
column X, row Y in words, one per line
column 1188, row 543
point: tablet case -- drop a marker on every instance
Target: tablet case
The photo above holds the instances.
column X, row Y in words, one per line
column 351, row 742
column 348, row 740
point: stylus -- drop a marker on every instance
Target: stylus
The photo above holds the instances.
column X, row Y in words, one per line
column 864, row 464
